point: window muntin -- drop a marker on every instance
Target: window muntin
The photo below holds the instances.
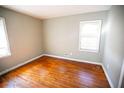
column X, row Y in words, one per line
column 90, row 35
column 4, row 44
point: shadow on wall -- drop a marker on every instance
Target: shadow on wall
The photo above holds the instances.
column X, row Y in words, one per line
column 114, row 44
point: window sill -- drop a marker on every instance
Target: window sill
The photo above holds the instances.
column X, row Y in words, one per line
column 4, row 56
column 90, row 51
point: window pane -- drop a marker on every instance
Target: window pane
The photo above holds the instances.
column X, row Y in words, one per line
column 3, row 42
column 90, row 44
column 4, row 48
column 89, row 29
column 90, row 35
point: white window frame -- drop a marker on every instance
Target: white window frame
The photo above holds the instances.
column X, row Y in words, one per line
column 88, row 50
column 8, row 46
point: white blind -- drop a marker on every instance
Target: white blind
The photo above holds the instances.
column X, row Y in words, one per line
column 4, row 48
column 90, row 35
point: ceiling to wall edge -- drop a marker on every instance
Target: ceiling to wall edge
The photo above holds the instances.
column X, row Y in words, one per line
column 52, row 17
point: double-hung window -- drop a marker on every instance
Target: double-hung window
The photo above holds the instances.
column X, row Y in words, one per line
column 89, row 37
column 4, row 44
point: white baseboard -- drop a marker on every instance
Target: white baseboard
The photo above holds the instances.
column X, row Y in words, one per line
column 107, row 76
column 84, row 61
column 121, row 75
column 19, row 65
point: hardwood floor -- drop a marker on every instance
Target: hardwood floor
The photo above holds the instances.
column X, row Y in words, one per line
column 48, row 72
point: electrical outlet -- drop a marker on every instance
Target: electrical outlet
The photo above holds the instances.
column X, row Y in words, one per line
column 65, row 53
column 70, row 53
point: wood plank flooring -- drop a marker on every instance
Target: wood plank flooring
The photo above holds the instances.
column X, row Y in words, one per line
column 49, row 72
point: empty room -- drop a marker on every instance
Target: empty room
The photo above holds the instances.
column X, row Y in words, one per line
column 64, row 46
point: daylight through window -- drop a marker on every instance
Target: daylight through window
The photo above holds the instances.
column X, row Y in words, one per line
column 90, row 35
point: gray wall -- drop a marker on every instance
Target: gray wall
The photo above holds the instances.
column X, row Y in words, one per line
column 114, row 43
column 122, row 86
column 122, row 76
column 25, row 37
column 30, row 37
column 61, row 36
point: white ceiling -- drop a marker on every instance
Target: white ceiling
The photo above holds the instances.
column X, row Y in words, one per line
column 46, row 12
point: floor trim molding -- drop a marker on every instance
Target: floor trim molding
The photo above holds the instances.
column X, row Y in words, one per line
column 121, row 75
column 107, row 76
column 84, row 61
column 21, row 64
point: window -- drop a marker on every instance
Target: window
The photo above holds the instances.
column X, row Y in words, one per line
column 90, row 35
column 4, row 46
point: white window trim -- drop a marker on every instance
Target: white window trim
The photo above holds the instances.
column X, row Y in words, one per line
column 88, row 50
column 8, row 44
